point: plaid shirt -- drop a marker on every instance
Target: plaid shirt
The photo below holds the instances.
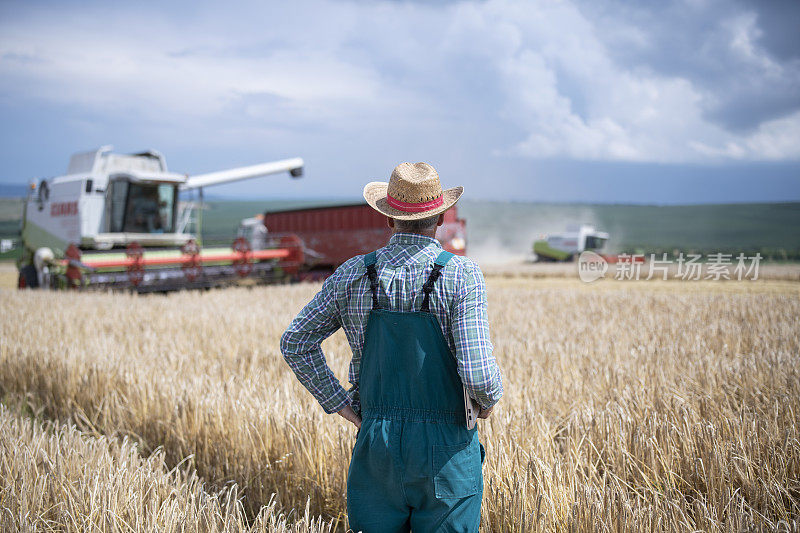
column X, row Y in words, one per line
column 458, row 300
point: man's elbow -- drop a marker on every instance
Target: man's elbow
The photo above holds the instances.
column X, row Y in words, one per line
column 287, row 346
column 486, row 392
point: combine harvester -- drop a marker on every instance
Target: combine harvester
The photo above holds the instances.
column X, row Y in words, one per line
column 114, row 222
column 569, row 245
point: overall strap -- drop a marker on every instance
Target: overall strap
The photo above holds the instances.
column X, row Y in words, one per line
column 427, row 287
column 369, row 261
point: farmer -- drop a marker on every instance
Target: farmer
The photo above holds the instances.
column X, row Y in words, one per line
column 415, row 318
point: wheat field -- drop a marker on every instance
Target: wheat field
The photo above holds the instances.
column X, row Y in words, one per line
column 629, row 406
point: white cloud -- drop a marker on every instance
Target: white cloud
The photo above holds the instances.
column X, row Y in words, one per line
column 94, row 71
column 624, row 113
column 775, row 140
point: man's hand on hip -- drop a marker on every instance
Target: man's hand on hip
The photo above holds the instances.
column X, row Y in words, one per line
column 348, row 414
column 485, row 413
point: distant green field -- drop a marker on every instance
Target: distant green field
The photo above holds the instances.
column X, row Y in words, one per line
column 10, row 214
column 773, row 229
column 508, row 229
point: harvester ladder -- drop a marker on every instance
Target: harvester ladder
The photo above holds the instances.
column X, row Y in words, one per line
column 187, row 218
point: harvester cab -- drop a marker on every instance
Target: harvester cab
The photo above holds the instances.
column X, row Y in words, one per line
column 254, row 231
column 115, row 221
column 565, row 246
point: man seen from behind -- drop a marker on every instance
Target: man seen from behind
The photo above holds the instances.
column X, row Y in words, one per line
column 416, row 320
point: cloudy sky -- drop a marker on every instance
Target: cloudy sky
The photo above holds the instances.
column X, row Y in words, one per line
column 593, row 101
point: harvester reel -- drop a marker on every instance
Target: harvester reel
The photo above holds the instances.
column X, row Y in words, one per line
column 73, row 273
column 192, row 268
column 135, row 254
column 242, row 263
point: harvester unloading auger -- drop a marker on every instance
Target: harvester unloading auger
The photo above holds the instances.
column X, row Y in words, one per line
column 114, row 221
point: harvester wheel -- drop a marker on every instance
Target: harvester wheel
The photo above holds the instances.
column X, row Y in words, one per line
column 136, row 267
column 192, row 268
column 73, row 273
column 27, row 278
column 242, row 263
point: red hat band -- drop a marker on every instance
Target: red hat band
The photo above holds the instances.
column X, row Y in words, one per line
column 409, row 207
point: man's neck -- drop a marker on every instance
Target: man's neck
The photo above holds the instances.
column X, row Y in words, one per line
column 430, row 234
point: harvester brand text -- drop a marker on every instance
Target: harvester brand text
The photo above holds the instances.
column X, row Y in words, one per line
column 64, row 209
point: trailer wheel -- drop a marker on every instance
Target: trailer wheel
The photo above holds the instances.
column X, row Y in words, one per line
column 28, row 278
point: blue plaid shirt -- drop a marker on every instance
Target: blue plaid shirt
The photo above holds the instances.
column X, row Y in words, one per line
column 458, row 300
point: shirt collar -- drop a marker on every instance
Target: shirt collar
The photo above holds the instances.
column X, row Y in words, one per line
column 413, row 238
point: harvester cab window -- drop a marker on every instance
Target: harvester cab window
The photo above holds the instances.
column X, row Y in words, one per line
column 119, row 195
column 166, row 204
column 142, row 208
column 594, row 243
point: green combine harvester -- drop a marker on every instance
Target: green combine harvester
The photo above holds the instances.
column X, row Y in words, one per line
column 568, row 245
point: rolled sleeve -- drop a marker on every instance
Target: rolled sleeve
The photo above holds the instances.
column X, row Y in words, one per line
column 477, row 366
column 300, row 346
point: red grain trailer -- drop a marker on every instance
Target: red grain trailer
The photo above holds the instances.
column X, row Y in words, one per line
column 334, row 234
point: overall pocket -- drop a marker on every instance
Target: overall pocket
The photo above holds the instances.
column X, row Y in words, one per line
column 456, row 470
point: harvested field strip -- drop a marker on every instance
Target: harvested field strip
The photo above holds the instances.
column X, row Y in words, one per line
column 624, row 409
column 56, row 478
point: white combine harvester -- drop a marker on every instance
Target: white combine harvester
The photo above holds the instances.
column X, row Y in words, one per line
column 114, row 221
column 568, row 245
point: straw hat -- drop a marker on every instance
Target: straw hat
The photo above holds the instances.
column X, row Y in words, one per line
column 413, row 192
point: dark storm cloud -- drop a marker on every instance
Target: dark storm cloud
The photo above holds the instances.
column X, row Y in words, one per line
column 780, row 22
column 744, row 55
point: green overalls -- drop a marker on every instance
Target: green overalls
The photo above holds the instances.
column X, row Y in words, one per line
column 415, row 464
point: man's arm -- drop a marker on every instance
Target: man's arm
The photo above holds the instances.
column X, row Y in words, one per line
column 470, row 326
column 300, row 346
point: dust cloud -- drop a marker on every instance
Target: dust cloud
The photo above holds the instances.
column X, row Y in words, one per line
column 504, row 232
